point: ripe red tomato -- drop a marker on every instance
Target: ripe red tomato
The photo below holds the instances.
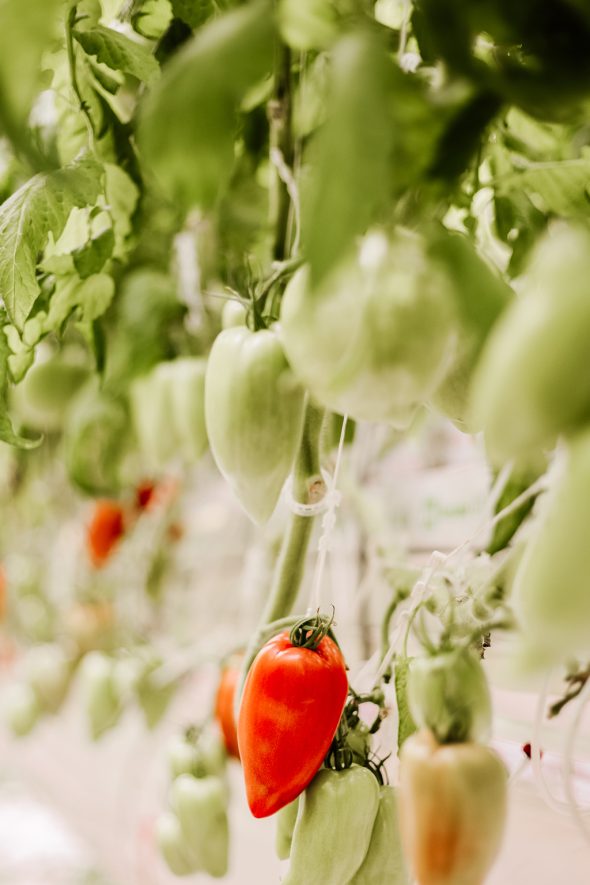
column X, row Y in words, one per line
column 145, row 494
column 291, row 706
column 105, row 529
column 224, row 708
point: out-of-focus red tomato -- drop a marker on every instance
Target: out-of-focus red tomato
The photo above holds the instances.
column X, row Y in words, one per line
column 106, row 528
column 224, row 707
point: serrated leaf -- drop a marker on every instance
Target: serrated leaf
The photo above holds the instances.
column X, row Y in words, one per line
column 92, row 258
column 91, row 296
column 7, row 432
column 352, row 172
column 187, row 128
column 406, row 725
column 121, row 195
column 563, row 185
column 38, row 208
column 118, row 52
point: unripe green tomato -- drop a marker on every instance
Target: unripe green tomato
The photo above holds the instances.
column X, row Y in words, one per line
column 201, row 757
column 152, row 417
column 551, row 589
column 173, row 847
column 102, row 698
column 286, row 818
column 183, row 757
column 22, row 710
column 374, row 339
column 42, row 398
column 467, row 273
column 96, row 439
column 200, row 805
column 532, row 382
column 254, row 415
column 187, row 391
column 48, row 670
column 234, row 314
column 448, row 694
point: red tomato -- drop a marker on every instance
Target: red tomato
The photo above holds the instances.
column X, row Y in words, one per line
column 291, row 706
column 104, row 531
column 224, row 709
column 145, row 494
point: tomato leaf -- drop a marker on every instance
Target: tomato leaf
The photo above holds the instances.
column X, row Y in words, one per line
column 7, row 432
column 188, row 125
column 193, row 12
column 118, row 52
column 38, row 208
column 562, row 185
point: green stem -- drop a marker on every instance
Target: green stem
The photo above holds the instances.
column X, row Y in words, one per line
column 308, row 487
column 281, row 139
column 70, row 23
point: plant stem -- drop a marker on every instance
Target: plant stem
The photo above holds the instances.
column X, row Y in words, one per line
column 281, row 139
column 70, row 22
column 308, row 487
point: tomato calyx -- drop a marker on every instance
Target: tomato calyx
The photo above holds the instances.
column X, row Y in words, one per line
column 310, row 630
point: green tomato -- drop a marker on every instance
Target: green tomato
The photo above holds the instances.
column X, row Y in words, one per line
column 234, row 314
column 96, row 439
column 187, row 391
column 551, row 587
column 167, row 408
column 22, row 710
column 448, row 694
column 173, row 848
column 101, row 693
column 384, row 861
column 532, row 382
column 254, row 415
column 41, row 400
column 468, row 275
column 334, row 824
column 48, row 671
column 286, row 818
column 200, row 757
column 374, row 340
column 201, row 807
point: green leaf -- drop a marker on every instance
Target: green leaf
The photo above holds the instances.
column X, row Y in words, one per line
column 7, row 432
column 91, row 296
column 406, row 725
column 187, row 129
column 92, row 258
column 119, row 52
column 38, row 208
column 152, row 19
column 122, row 196
column 193, row 12
column 561, row 185
column 352, row 174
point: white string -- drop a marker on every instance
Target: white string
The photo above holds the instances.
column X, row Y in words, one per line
column 568, row 759
column 331, row 498
column 552, row 801
column 328, row 523
column 439, row 559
